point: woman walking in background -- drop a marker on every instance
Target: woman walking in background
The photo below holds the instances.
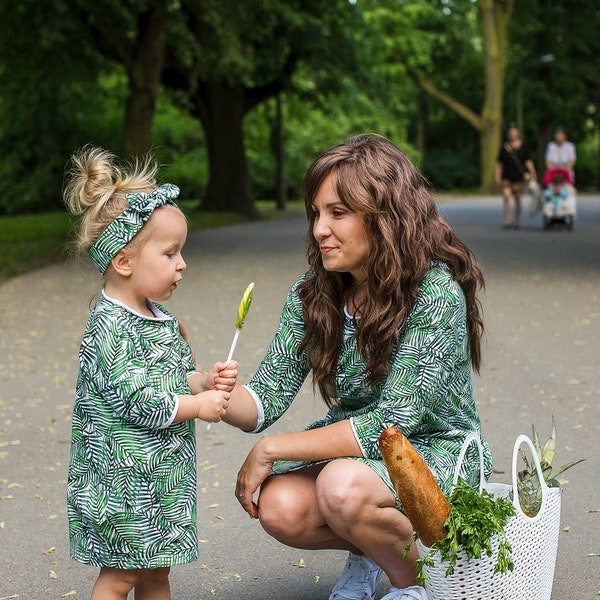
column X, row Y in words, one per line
column 514, row 168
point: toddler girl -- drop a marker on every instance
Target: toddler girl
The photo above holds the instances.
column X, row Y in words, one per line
column 131, row 492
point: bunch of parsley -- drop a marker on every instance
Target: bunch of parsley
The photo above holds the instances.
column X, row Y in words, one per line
column 474, row 519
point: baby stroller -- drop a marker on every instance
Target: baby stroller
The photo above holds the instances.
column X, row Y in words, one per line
column 560, row 205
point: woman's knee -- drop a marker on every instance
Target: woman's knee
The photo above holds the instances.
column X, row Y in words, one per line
column 285, row 510
column 346, row 488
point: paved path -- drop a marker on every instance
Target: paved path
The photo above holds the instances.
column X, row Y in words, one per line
column 542, row 307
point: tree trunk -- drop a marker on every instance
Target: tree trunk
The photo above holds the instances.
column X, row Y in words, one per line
column 222, row 108
column 494, row 23
column 278, row 149
column 144, row 77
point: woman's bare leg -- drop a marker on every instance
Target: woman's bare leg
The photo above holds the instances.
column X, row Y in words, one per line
column 345, row 506
column 358, row 505
column 506, row 197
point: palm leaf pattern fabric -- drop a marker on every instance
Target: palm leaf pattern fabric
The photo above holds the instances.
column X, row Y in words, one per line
column 131, row 491
column 428, row 392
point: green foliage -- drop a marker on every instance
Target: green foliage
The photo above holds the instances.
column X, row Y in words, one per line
column 343, row 70
column 179, row 149
column 31, row 241
column 475, row 519
column 48, row 105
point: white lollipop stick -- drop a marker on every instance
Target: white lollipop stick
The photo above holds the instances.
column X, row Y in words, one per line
column 243, row 309
column 233, row 345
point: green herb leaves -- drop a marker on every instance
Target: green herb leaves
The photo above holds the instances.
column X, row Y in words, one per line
column 474, row 520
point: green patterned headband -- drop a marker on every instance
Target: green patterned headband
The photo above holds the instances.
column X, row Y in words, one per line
column 123, row 229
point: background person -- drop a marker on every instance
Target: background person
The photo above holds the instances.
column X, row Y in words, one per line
column 561, row 153
column 131, row 490
column 514, row 168
column 387, row 320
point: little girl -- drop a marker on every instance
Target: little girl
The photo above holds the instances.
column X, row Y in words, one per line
column 131, row 492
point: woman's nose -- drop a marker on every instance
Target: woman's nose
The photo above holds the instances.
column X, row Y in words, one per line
column 321, row 228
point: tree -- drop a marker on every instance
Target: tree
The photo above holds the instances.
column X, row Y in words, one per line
column 424, row 28
column 132, row 34
column 552, row 69
column 47, row 102
column 226, row 58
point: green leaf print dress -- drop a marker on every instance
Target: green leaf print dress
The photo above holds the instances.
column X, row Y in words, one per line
column 131, row 491
column 428, row 392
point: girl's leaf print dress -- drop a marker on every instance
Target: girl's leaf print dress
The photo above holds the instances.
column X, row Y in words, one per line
column 131, row 492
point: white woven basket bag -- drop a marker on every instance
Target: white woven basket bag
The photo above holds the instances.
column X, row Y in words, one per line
column 534, row 542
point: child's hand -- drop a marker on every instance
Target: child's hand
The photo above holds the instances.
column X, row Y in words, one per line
column 222, row 376
column 212, row 405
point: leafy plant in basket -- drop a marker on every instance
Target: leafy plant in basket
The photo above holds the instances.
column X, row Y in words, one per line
column 528, row 482
column 475, row 517
column 472, row 522
column 467, row 521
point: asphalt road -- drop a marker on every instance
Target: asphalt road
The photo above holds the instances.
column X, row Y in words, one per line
column 541, row 358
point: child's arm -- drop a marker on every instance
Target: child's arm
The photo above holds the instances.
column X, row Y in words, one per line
column 218, row 378
column 210, row 406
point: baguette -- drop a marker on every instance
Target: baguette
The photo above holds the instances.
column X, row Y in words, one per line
column 422, row 499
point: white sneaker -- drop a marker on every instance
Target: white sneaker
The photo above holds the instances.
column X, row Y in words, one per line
column 414, row 592
column 358, row 580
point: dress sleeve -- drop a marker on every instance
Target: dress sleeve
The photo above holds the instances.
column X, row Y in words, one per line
column 424, row 364
column 282, row 371
column 113, row 359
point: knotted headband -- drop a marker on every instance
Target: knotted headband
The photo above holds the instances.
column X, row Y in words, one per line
column 123, row 229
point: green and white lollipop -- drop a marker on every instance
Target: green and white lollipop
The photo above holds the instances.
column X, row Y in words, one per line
column 242, row 311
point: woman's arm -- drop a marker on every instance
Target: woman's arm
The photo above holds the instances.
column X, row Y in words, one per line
column 242, row 411
column 332, row 441
column 531, row 168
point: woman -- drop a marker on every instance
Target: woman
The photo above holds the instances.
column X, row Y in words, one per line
column 514, row 168
column 387, row 320
column 561, row 153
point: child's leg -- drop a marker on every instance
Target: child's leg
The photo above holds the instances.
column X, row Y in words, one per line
column 154, row 585
column 115, row 584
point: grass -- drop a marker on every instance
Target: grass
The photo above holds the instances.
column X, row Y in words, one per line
column 28, row 242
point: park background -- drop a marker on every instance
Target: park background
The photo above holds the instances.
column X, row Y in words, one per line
column 235, row 98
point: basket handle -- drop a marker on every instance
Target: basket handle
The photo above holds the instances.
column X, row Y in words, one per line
column 472, row 437
column 523, row 439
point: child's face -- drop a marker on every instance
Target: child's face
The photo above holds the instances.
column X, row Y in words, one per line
column 158, row 264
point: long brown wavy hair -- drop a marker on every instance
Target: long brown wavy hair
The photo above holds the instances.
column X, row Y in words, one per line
column 376, row 179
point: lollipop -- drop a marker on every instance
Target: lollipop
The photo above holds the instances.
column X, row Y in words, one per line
column 242, row 311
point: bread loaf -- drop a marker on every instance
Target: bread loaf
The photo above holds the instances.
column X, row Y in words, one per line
column 422, row 499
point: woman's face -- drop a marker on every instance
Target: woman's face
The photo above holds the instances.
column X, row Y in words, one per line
column 560, row 137
column 340, row 233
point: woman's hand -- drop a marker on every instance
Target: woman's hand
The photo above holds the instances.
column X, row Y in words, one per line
column 222, row 376
column 254, row 471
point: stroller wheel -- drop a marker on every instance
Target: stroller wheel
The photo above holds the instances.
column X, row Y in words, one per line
column 569, row 221
column 547, row 222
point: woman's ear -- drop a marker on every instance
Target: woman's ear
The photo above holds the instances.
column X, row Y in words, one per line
column 122, row 263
